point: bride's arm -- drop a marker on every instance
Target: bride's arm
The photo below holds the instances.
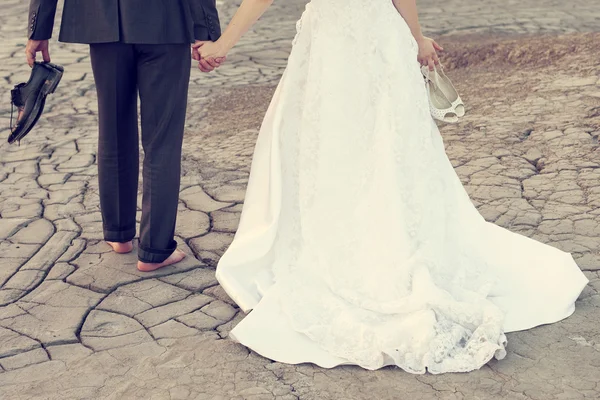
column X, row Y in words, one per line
column 427, row 47
column 408, row 10
column 246, row 15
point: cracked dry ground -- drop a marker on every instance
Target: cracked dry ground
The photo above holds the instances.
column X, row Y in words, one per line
column 79, row 322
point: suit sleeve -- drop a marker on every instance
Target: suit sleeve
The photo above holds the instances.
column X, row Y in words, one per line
column 41, row 19
column 206, row 19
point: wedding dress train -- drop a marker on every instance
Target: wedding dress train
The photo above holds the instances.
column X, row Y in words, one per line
column 357, row 242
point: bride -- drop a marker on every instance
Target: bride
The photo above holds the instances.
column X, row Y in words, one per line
column 357, row 242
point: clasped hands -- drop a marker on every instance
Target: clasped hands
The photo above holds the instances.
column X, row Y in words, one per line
column 210, row 55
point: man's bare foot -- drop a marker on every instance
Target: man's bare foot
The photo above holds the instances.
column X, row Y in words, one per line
column 174, row 258
column 121, row 248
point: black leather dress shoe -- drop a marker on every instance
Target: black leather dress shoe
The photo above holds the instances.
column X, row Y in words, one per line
column 30, row 97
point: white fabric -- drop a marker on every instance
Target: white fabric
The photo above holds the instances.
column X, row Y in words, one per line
column 357, row 242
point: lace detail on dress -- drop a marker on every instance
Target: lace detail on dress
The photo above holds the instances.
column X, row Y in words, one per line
column 361, row 124
column 369, row 250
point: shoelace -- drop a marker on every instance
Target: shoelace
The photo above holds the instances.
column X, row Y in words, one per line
column 12, row 127
column 12, row 106
column 15, row 97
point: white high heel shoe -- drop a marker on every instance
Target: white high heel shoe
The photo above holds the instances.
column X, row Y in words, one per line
column 439, row 105
column 450, row 92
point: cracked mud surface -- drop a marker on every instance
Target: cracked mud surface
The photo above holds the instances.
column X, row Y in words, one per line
column 78, row 321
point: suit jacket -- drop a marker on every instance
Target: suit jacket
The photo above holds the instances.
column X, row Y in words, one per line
column 128, row 21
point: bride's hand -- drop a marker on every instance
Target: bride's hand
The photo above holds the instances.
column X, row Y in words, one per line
column 210, row 55
column 427, row 52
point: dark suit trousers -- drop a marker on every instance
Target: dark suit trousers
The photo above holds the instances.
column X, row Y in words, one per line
column 160, row 73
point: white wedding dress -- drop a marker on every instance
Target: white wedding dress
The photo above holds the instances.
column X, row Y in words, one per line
column 357, row 242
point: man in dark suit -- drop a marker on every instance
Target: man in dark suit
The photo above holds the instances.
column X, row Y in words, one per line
column 136, row 46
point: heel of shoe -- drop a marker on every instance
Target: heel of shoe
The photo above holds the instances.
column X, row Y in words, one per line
column 54, row 79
